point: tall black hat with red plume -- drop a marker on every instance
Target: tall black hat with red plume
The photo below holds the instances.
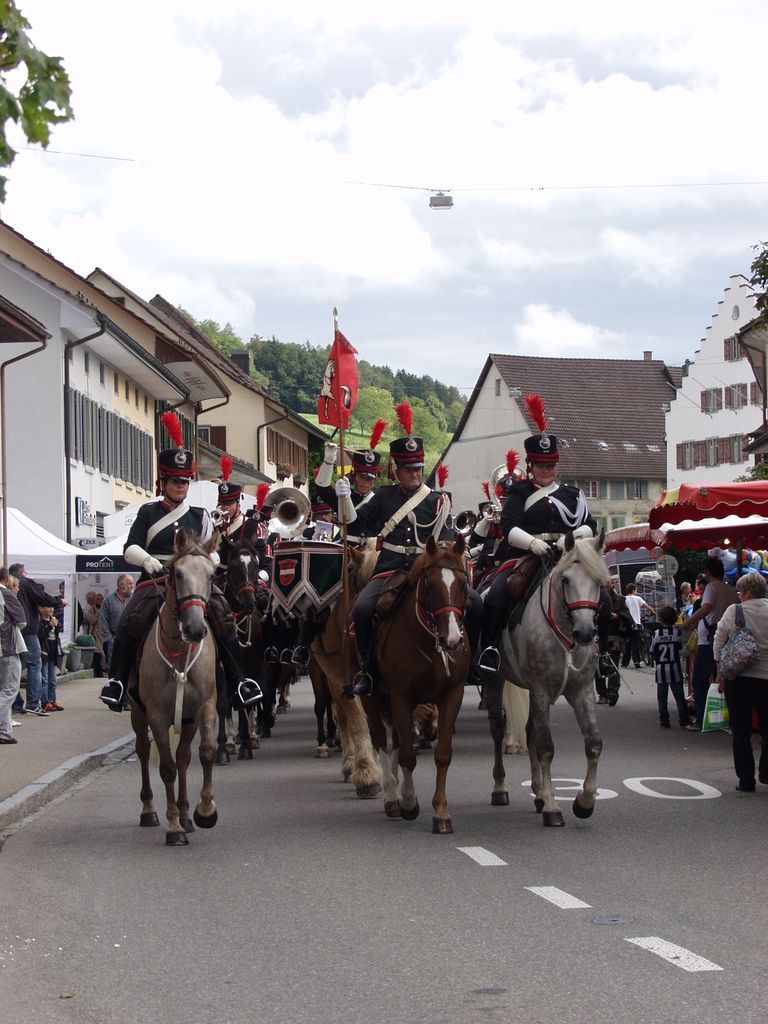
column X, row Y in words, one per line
column 368, row 462
column 176, row 462
column 227, row 490
column 409, row 450
column 540, row 447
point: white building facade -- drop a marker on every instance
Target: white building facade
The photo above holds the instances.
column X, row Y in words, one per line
column 719, row 402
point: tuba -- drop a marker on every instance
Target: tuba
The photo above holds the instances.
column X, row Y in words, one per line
column 291, row 511
column 494, row 512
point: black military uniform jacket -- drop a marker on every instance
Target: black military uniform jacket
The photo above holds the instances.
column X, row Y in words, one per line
column 549, row 517
column 328, row 495
column 194, row 520
column 239, row 530
column 404, row 543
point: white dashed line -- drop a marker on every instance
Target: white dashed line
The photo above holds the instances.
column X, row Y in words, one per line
column 482, row 856
column 677, row 955
column 561, row 899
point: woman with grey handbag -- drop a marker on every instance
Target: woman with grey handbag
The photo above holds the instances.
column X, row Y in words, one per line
column 747, row 692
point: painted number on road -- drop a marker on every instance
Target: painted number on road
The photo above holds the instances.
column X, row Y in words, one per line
column 641, row 785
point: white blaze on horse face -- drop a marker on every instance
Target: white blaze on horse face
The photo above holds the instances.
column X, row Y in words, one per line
column 454, row 626
column 245, row 558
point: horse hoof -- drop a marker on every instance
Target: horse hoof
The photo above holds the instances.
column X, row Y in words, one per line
column 230, row 747
column 442, row 827
column 500, row 799
column 203, row 822
column 281, row 710
column 149, row 819
column 222, row 757
column 581, row 811
column 512, row 748
column 321, row 752
column 369, row 792
column 410, row 815
column 553, row 819
column 186, row 824
column 538, row 805
column 176, row 839
column 245, row 754
column 392, row 809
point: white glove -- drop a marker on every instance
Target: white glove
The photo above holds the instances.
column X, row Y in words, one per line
column 151, row 566
column 263, row 575
column 215, row 557
column 539, row 547
column 343, row 488
column 482, row 526
column 324, row 474
column 330, row 452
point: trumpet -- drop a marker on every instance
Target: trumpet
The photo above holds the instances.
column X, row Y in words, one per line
column 219, row 518
column 465, row 522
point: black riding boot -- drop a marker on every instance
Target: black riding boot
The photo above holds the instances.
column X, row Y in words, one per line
column 494, row 620
column 363, row 684
column 242, row 690
column 113, row 691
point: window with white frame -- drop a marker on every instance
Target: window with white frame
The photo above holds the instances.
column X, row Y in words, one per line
column 712, row 400
column 736, row 443
column 732, row 349
column 637, row 489
column 736, row 396
column 497, row 387
column 590, row 488
column 712, row 452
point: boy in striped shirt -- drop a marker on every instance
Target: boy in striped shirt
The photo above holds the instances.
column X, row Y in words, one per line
column 666, row 646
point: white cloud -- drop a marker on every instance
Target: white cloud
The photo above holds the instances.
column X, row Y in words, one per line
column 554, row 332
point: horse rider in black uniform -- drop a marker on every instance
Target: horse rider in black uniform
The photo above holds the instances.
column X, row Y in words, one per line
column 366, row 467
column 404, row 515
column 149, row 545
column 537, row 513
column 235, row 526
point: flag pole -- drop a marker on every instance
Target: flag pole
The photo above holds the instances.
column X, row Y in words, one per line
column 344, row 551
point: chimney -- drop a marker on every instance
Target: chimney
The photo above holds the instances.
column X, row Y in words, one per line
column 647, row 356
column 242, row 360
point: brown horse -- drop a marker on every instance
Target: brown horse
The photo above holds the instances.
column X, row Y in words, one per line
column 177, row 687
column 333, row 663
column 423, row 656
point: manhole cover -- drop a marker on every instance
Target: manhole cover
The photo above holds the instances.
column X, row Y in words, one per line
column 613, row 919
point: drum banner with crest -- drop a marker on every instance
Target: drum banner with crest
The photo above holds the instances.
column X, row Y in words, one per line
column 306, row 574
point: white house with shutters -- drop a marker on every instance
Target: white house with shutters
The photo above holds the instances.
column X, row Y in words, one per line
column 719, row 403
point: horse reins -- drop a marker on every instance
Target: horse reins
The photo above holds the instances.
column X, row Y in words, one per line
column 567, row 642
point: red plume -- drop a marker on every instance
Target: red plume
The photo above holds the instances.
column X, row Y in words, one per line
column 499, row 491
column 315, row 471
column 261, row 494
column 226, row 466
column 512, row 460
column 536, row 411
column 442, row 474
column 487, row 488
column 172, row 425
column 378, row 429
column 405, row 416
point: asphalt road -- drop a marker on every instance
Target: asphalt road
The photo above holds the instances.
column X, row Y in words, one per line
column 307, row 904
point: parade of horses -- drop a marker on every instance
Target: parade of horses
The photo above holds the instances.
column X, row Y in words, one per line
column 392, row 603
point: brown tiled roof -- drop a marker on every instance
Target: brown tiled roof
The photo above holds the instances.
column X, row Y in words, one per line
column 607, row 413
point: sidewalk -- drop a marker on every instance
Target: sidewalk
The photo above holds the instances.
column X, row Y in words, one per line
column 53, row 752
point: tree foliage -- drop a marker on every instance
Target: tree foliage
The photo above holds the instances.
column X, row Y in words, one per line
column 759, row 279
column 34, row 88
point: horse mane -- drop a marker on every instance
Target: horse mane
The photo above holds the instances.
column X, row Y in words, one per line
column 590, row 559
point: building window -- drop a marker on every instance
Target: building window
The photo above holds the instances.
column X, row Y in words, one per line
column 617, row 491
column 732, row 350
column 637, row 489
column 146, row 406
column 712, row 400
column 712, row 452
column 497, row 387
column 204, row 433
column 736, row 444
column 116, row 379
column 589, row 487
column 136, row 397
column 618, row 521
column 102, row 374
column 105, row 441
column 127, row 391
column 87, row 362
column 281, row 450
column 736, row 396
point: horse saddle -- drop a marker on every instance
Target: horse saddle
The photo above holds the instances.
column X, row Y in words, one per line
column 392, row 594
column 527, row 575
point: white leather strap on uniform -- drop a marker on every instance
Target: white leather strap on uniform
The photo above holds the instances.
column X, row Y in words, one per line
column 541, row 492
column 324, row 474
column 402, row 512
column 168, row 520
column 366, row 499
column 234, row 526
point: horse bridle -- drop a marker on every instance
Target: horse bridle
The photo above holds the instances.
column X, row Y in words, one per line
column 569, row 606
column 428, row 613
column 189, row 600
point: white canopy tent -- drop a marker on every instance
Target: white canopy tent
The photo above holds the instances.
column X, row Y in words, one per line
column 202, row 493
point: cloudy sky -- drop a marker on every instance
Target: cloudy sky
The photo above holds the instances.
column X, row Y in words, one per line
column 608, row 165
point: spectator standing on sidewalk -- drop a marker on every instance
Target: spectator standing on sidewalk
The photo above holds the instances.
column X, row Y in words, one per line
column 109, row 616
column 635, row 605
column 48, row 635
column 666, row 646
column 10, row 662
column 33, row 598
column 716, row 598
column 91, row 625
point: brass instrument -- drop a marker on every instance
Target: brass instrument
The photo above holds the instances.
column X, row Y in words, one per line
column 494, row 512
column 464, row 523
column 291, row 511
column 219, row 518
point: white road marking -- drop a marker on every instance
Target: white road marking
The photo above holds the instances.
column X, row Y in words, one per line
column 482, row 856
column 561, row 899
column 677, row 955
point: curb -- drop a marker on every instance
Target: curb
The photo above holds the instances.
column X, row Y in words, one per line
column 55, row 782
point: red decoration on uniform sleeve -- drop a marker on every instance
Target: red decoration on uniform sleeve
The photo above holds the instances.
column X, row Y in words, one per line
column 378, row 429
column 172, row 425
column 487, row 488
column 261, row 494
column 512, row 460
column 226, row 466
column 442, row 474
column 405, row 417
column 536, row 410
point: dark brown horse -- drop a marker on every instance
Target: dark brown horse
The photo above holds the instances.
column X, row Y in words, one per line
column 423, row 656
column 177, row 689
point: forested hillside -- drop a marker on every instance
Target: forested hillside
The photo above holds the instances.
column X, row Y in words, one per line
column 294, row 372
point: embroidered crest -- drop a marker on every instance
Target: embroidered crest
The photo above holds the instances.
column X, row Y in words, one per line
column 180, row 458
column 411, row 445
column 287, row 571
column 544, row 443
column 370, row 457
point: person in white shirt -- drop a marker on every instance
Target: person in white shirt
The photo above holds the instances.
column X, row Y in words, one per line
column 635, row 605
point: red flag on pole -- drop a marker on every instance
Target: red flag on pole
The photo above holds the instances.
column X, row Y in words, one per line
column 339, row 392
